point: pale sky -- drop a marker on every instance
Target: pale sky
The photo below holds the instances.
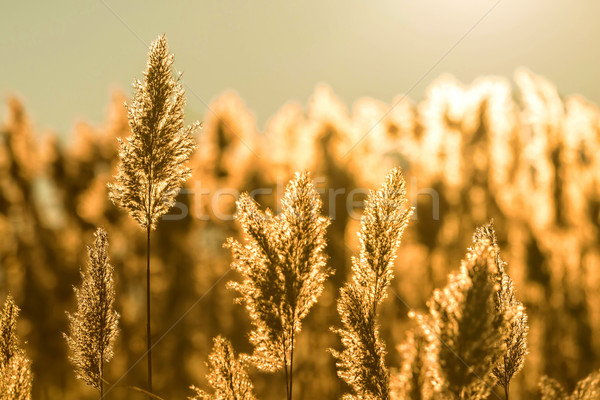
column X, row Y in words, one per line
column 64, row 58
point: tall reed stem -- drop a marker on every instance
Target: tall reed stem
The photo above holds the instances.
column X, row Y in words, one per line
column 291, row 369
column 101, row 379
column 148, row 331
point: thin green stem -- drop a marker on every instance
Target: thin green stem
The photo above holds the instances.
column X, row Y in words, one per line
column 148, row 331
column 291, row 367
column 103, row 312
column 101, row 378
column 285, row 366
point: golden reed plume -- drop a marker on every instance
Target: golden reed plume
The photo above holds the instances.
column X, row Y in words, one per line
column 228, row 374
column 15, row 367
column 153, row 158
column 476, row 330
column 94, row 326
column 284, row 267
column 362, row 362
column 586, row 389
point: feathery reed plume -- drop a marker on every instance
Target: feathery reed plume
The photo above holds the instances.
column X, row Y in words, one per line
column 468, row 330
column 228, row 375
column 15, row 367
column 552, row 390
column 586, row 389
column 362, row 362
column 9, row 344
column 506, row 303
column 15, row 378
column 413, row 381
column 152, row 159
column 284, row 267
column 94, row 326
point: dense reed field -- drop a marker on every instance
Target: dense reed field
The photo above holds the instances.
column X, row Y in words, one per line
column 336, row 254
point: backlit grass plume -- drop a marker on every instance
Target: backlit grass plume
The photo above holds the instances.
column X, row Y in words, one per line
column 284, row 267
column 94, row 326
column 586, row 389
column 413, row 381
column 362, row 362
column 16, row 378
column 506, row 303
column 153, row 158
column 228, row 375
column 15, row 368
column 9, row 343
column 467, row 330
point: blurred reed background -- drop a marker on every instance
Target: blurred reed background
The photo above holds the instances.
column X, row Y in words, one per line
column 528, row 158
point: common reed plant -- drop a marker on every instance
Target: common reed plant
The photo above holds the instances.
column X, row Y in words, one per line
column 153, row 158
column 15, row 367
column 94, row 326
column 414, row 379
column 361, row 363
column 228, row 374
column 473, row 325
column 507, row 304
column 283, row 265
column 410, row 382
column 586, row 389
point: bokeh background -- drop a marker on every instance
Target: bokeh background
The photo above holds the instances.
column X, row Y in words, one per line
column 522, row 148
column 65, row 58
